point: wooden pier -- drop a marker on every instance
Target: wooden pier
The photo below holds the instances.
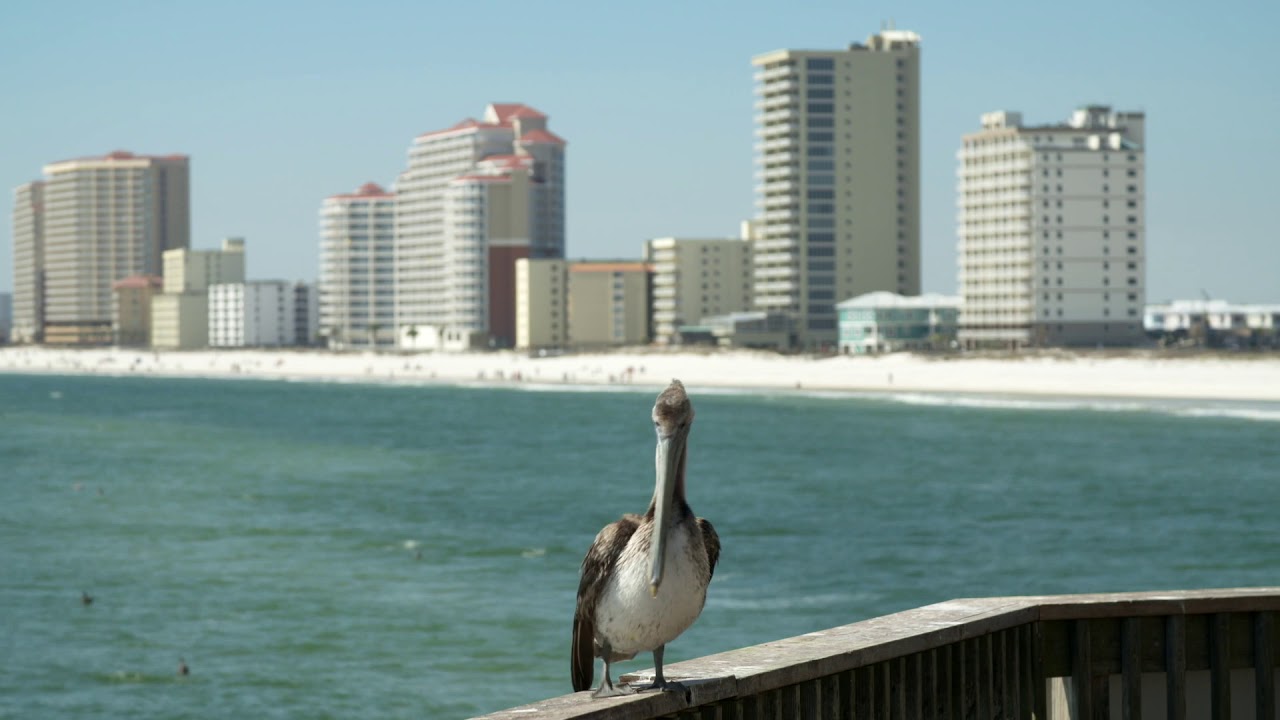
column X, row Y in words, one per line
column 1178, row 655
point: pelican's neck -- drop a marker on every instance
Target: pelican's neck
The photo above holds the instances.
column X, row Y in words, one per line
column 677, row 496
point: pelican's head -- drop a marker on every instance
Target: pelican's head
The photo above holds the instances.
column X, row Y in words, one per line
column 672, row 418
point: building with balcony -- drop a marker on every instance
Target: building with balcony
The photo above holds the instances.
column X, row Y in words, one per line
column 474, row 199
column 883, row 322
column 91, row 222
column 1052, row 247
column 609, row 303
column 28, row 263
column 838, row 178
column 131, row 316
column 542, row 304
column 180, row 314
column 259, row 313
column 695, row 278
column 357, row 268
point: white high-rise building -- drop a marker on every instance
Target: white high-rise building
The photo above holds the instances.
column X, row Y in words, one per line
column 357, row 268
column 475, row 198
column 838, row 171
column 1052, row 230
column 258, row 313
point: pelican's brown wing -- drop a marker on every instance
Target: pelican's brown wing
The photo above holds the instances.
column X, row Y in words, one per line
column 712, row 542
column 596, row 567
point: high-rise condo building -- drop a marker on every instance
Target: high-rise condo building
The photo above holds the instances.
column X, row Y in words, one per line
column 28, row 262
column 475, row 198
column 1052, row 242
column 105, row 219
column 696, row 278
column 838, row 169
column 357, row 268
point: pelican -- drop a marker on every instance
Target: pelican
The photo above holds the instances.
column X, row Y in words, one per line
column 644, row 580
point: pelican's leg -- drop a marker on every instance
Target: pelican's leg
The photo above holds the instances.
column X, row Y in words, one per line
column 607, row 688
column 659, row 682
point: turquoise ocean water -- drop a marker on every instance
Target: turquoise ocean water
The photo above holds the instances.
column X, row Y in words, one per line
column 379, row 551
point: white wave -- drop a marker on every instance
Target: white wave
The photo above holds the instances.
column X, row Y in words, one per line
column 781, row 602
column 1256, row 414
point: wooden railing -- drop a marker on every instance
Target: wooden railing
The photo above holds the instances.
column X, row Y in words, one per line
column 1178, row 655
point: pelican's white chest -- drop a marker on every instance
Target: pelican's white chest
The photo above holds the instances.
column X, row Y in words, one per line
column 632, row 620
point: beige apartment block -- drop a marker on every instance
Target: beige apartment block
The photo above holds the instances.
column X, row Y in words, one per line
column 131, row 324
column 105, row 219
column 542, row 304
column 838, row 178
column 28, row 262
column 609, row 303
column 180, row 315
column 696, row 278
column 1052, row 247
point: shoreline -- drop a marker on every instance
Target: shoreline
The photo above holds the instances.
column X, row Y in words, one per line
column 1064, row 375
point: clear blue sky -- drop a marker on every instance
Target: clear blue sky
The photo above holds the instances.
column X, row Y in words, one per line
column 280, row 104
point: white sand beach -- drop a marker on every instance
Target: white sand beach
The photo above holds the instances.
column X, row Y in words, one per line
column 1133, row 375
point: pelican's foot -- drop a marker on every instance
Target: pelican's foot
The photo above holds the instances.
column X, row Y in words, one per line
column 664, row 686
column 608, row 690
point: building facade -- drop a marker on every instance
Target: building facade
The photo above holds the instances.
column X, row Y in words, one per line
column 105, row 219
column 1052, row 247
column 260, row 313
column 1212, row 323
column 609, row 303
column 696, row 278
column 882, row 322
column 475, row 198
column 838, row 178
column 131, row 316
column 28, row 263
column 542, row 304
column 6, row 318
column 306, row 314
column 357, row 268
column 180, row 315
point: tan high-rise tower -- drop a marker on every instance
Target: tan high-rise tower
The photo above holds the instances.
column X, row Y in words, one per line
column 103, row 219
column 838, row 171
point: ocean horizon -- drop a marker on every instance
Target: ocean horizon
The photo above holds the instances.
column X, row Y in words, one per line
column 339, row 549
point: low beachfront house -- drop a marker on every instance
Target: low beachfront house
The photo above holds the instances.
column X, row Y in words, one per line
column 881, row 322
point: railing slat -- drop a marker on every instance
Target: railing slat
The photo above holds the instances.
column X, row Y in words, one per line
column 1220, row 667
column 1081, row 665
column 1131, row 664
column 955, row 683
column 1264, row 666
column 863, row 681
column 1175, row 653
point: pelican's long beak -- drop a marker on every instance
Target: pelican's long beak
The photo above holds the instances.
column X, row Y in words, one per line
column 669, row 454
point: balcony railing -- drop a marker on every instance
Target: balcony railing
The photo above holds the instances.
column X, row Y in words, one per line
column 1199, row 653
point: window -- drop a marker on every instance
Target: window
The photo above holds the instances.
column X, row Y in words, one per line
column 820, row 93
column 819, row 64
